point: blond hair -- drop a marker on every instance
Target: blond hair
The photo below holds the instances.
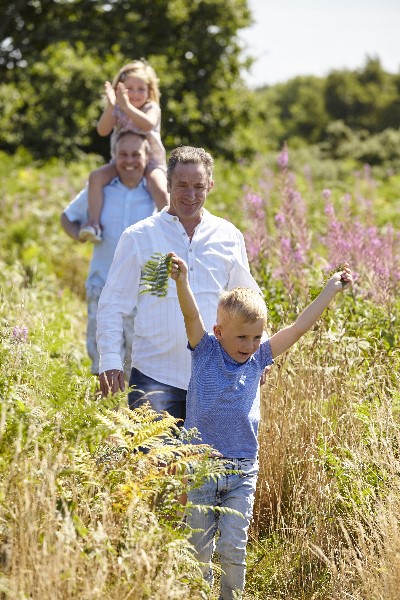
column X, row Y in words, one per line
column 141, row 69
column 245, row 303
column 190, row 155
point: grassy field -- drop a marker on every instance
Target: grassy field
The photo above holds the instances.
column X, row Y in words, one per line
column 83, row 516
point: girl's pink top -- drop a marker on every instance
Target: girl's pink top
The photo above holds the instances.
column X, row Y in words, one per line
column 124, row 123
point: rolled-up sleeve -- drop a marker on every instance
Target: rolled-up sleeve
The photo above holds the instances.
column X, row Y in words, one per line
column 118, row 299
column 77, row 210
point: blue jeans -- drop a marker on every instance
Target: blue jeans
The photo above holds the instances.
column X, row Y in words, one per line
column 230, row 490
column 160, row 395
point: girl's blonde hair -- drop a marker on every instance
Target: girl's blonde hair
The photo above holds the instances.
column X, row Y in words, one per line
column 245, row 303
column 141, row 69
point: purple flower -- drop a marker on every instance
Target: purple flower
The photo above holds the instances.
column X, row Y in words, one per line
column 285, row 244
column 326, row 193
column 20, row 334
column 329, row 210
column 299, row 255
column 283, row 157
column 255, row 200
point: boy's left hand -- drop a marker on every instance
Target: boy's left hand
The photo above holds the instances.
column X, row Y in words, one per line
column 342, row 279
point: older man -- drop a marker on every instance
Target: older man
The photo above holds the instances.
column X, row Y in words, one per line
column 126, row 201
column 215, row 253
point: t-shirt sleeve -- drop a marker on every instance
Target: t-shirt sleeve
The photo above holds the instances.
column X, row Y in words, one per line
column 201, row 345
column 77, row 210
column 266, row 354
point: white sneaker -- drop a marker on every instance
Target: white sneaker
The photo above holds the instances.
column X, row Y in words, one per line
column 87, row 233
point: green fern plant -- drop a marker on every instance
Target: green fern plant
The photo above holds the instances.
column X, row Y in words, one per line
column 155, row 274
column 157, row 476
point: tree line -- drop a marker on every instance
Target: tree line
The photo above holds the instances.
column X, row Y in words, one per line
column 348, row 112
column 56, row 54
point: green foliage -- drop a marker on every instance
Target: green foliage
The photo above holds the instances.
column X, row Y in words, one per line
column 345, row 113
column 155, row 274
column 77, row 461
column 361, row 98
column 329, row 434
column 299, row 106
column 57, row 55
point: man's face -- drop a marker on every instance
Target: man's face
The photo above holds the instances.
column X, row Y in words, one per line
column 130, row 159
column 188, row 191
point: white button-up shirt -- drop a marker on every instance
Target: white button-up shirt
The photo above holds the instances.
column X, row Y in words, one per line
column 216, row 259
column 122, row 207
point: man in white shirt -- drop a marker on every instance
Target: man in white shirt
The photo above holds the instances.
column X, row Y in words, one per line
column 126, row 201
column 215, row 253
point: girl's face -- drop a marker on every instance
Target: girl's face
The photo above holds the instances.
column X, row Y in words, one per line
column 138, row 90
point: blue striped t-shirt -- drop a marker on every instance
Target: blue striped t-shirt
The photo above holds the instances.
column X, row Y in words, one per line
column 223, row 398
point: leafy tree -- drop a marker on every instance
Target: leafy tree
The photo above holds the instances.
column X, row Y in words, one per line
column 335, row 112
column 361, row 98
column 302, row 109
column 57, row 54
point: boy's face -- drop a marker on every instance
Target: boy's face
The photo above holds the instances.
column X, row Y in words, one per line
column 239, row 339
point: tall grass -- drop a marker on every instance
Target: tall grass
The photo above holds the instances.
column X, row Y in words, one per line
column 326, row 514
column 83, row 514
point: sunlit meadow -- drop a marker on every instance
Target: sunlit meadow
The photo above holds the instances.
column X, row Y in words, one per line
column 84, row 515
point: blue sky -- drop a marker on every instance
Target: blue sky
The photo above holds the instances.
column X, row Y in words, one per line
column 312, row 37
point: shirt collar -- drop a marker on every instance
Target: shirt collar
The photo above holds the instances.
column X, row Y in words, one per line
column 164, row 214
column 118, row 183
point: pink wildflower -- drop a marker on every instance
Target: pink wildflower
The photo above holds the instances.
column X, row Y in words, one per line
column 20, row 334
column 283, row 157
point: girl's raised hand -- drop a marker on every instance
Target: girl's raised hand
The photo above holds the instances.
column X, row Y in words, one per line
column 110, row 93
column 122, row 97
column 179, row 268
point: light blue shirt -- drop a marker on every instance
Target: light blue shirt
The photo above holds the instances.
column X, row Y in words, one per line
column 223, row 398
column 122, row 207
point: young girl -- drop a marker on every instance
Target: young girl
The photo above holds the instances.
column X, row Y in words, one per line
column 132, row 104
column 223, row 404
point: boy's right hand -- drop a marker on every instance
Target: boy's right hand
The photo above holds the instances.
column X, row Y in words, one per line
column 179, row 268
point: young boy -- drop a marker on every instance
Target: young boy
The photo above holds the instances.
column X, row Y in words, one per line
column 223, row 404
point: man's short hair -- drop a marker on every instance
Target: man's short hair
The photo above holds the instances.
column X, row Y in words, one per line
column 123, row 134
column 190, row 155
column 245, row 303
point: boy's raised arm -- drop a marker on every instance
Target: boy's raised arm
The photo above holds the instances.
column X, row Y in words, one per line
column 193, row 322
column 285, row 338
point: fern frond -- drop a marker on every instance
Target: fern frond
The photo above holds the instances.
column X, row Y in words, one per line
column 155, row 274
column 142, row 427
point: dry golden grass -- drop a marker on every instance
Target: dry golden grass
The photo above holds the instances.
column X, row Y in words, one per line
column 326, row 519
column 64, row 538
